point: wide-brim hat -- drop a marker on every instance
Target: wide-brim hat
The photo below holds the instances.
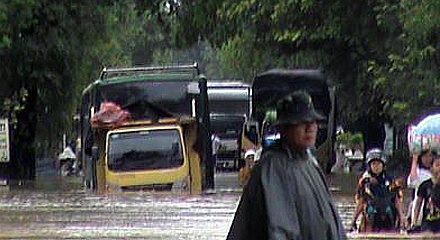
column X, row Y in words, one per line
column 296, row 108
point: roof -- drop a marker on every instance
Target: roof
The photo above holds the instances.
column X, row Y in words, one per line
column 114, row 76
column 227, row 84
column 147, row 92
column 278, row 79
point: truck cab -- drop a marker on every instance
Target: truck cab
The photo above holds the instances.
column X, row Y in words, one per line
column 147, row 156
column 228, row 129
column 230, row 107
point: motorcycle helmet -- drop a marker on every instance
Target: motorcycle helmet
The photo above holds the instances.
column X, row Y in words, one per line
column 375, row 154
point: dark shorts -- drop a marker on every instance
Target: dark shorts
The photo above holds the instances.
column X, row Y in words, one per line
column 433, row 226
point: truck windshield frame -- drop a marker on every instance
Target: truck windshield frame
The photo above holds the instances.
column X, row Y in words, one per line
column 145, row 150
column 146, row 99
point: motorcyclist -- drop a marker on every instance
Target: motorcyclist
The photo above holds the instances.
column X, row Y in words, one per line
column 376, row 198
column 67, row 159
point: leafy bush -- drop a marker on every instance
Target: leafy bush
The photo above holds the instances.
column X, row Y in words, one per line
column 350, row 140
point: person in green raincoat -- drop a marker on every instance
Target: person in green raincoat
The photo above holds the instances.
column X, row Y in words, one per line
column 287, row 196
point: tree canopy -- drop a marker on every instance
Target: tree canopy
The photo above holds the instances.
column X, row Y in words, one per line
column 382, row 55
column 373, row 50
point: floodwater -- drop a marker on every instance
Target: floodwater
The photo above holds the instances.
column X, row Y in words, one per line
column 54, row 208
column 61, row 209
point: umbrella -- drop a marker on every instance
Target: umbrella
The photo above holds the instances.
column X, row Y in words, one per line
column 426, row 133
column 428, row 126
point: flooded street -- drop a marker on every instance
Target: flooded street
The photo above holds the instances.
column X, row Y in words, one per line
column 54, row 208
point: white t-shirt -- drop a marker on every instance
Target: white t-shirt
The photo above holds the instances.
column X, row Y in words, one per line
column 422, row 175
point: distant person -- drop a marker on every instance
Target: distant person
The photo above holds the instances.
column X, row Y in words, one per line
column 287, row 195
column 245, row 172
column 377, row 197
column 420, row 172
column 429, row 193
column 77, row 166
column 340, row 160
column 215, row 140
column 66, row 160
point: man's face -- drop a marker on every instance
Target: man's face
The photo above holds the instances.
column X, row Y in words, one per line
column 302, row 135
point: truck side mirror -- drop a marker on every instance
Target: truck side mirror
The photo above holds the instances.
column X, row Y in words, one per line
column 95, row 153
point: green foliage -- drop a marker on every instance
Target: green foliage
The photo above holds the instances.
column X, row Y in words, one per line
column 383, row 52
column 382, row 55
column 53, row 50
column 15, row 104
column 411, row 68
column 350, row 140
column 238, row 56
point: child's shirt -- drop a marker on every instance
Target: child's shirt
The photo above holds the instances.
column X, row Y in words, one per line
column 369, row 189
column 430, row 193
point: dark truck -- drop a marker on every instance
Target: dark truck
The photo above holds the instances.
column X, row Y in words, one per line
column 271, row 86
column 229, row 106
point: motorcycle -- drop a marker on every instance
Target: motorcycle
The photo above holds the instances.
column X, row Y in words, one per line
column 67, row 161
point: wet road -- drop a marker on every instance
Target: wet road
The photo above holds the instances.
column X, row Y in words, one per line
column 59, row 208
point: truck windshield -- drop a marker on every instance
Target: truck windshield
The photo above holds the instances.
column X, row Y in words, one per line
column 144, row 150
column 146, row 100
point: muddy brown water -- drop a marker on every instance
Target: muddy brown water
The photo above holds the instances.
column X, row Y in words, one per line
column 59, row 208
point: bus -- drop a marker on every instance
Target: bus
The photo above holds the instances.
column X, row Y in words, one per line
column 269, row 87
column 147, row 128
column 230, row 107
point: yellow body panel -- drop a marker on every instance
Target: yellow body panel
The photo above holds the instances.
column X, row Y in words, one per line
column 196, row 173
column 101, row 163
column 143, row 178
column 190, row 170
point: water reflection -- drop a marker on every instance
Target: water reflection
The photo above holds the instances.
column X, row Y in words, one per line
column 60, row 208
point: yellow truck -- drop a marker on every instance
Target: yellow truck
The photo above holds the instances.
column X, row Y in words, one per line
column 147, row 128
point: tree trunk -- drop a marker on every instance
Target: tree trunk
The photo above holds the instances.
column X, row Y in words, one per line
column 22, row 165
